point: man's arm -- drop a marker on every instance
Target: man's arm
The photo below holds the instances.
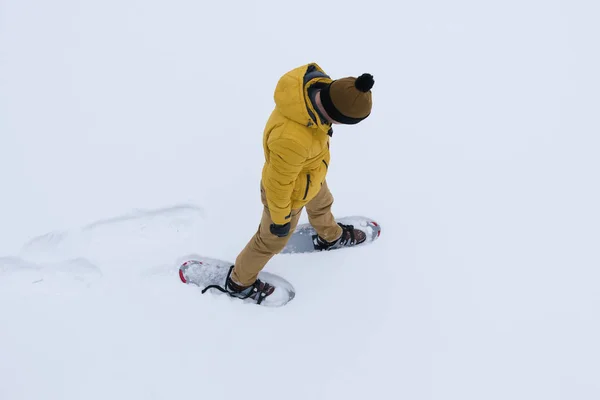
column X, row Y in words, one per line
column 286, row 159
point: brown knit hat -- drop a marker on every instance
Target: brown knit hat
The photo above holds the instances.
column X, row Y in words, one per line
column 348, row 100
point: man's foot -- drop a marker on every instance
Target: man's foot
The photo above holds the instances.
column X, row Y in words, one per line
column 349, row 237
column 258, row 291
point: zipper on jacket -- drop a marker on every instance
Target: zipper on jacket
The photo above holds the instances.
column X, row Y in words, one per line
column 326, row 165
column 307, row 185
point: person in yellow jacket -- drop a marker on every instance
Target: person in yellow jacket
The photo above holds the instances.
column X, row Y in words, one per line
column 296, row 144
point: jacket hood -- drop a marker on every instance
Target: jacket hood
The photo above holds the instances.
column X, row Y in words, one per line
column 291, row 95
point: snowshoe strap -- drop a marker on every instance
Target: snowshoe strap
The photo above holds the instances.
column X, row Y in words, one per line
column 218, row 287
column 347, row 228
column 255, row 289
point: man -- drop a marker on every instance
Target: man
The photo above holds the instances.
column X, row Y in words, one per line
column 296, row 147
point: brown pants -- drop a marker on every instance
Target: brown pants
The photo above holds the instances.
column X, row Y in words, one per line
column 264, row 245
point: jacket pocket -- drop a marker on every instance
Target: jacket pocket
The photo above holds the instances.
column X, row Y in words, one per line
column 307, row 186
column 326, row 165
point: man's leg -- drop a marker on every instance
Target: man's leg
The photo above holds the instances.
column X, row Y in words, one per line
column 261, row 248
column 320, row 216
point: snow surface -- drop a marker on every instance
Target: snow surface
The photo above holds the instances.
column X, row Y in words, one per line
column 480, row 161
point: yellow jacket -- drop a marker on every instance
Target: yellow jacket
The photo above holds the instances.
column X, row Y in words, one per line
column 296, row 144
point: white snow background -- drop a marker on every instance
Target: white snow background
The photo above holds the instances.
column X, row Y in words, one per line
column 131, row 136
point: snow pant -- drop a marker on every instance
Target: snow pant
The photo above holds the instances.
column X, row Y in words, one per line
column 264, row 245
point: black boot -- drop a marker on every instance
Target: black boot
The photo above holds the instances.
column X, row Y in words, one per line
column 258, row 291
column 350, row 237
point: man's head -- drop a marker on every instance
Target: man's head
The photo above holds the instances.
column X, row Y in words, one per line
column 347, row 100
